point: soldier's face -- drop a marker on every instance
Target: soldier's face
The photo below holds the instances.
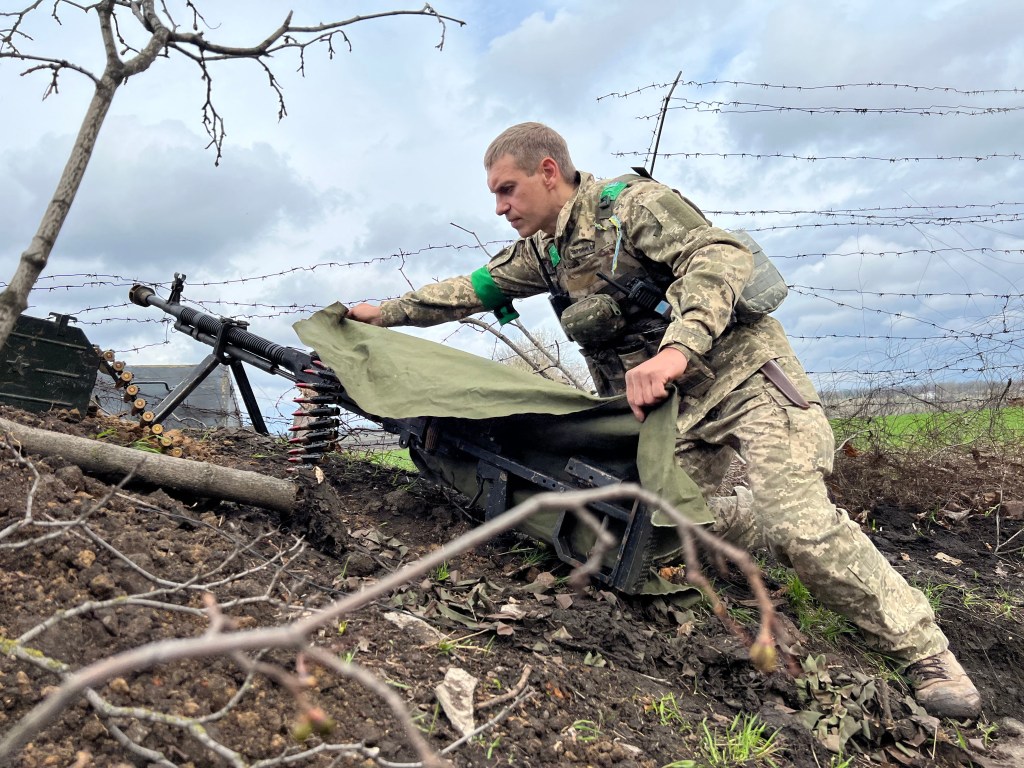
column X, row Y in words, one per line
column 526, row 200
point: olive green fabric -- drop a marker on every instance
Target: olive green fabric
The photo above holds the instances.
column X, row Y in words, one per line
column 526, row 418
column 398, row 376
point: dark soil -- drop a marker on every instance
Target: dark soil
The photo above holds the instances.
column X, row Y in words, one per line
column 580, row 678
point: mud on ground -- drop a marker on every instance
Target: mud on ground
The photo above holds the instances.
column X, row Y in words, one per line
column 562, row 677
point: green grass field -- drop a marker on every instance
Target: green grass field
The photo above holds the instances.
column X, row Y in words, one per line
column 396, row 459
column 921, row 430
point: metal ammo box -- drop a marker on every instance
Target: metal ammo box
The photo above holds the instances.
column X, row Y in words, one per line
column 47, row 364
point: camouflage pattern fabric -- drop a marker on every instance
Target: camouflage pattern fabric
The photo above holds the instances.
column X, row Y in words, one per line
column 788, row 453
column 787, row 450
column 658, row 228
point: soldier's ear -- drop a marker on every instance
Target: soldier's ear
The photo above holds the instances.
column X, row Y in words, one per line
column 550, row 172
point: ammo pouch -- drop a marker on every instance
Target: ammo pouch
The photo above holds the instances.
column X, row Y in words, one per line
column 765, row 290
column 608, row 367
column 593, row 321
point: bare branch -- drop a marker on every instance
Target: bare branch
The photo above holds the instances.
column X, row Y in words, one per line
column 287, row 36
column 294, row 635
column 555, row 362
column 525, row 355
column 387, row 694
column 475, row 237
column 7, row 444
column 507, row 341
column 510, row 694
column 163, row 38
column 8, row 34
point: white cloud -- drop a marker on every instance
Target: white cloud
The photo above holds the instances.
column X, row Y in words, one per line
column 381, row 150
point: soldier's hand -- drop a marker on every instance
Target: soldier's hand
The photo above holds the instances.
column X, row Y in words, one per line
column 646, row 384
column 364, row 313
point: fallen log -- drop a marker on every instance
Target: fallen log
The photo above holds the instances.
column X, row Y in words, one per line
column 195, row 477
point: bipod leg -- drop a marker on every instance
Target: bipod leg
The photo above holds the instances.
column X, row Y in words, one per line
column 185, row 388
column 245, row 390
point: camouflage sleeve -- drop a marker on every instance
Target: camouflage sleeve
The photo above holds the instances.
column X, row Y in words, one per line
column 513, row 273
column 451, row 299
column 710, row 265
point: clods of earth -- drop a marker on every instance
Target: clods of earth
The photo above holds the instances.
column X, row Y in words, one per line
column 493, row 657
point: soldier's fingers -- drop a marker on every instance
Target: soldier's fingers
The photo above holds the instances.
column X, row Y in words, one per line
column 638, row 412
column 653, row 390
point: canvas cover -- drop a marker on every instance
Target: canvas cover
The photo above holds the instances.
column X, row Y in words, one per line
column 521, row 416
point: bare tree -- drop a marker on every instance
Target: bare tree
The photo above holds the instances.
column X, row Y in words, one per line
column 119, row 21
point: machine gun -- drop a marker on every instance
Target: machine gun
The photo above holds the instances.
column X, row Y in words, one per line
column 427, row 438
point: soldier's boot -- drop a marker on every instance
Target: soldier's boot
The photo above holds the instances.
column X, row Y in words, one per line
column 943, row 688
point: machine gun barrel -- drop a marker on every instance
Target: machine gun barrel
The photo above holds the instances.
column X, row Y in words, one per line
column 218, row 332
column 233, row 345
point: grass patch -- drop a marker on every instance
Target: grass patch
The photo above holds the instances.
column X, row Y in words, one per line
column 666, row 709
column 908, row 431
column 933, row 592
column 812, row 617
column 396, row 459
column 585, row 731
column 745, row 741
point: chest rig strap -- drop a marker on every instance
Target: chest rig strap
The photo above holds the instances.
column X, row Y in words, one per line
column 559, row 297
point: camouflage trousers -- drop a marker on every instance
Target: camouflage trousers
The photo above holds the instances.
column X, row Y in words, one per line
column 788, row 453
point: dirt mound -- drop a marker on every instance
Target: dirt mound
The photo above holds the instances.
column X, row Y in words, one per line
column 494, row 644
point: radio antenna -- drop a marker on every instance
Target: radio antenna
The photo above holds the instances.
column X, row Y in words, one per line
column 661, row 122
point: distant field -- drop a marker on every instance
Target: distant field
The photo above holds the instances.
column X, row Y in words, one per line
column 910, row 430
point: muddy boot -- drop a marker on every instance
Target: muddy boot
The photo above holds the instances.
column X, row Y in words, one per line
column 943, row 688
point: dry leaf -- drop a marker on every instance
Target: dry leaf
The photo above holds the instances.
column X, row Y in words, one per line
column 948, row 558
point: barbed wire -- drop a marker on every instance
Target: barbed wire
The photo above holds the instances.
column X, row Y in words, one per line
column 1006, row 219
column 899, row 253
column 116, row 280
column 818, row 292
column 858, row 211
column 814, row 290
column 1004, row 336
column 964, row 347
column 90, row 280
column 819, row 158
column 900, row 315
column 917, row 220
column 917, row 374
column 835, row 87
column 747, row 107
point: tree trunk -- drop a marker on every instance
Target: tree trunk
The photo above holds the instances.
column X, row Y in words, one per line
column 196, row 477
column 14, row 299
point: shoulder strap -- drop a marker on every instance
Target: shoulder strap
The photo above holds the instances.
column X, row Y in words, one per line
column 610, row 193
column 559, row 296
column 615, row 187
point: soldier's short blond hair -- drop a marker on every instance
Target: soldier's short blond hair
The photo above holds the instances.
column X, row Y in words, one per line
column 528, row 144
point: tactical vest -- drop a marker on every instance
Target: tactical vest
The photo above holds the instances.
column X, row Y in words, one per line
column 612, row 304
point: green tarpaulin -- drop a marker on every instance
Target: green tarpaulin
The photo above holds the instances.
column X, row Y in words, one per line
column 523, row 417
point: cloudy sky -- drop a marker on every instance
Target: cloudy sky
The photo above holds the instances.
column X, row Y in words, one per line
column 873, row 148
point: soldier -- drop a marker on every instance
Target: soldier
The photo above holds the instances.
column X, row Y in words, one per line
column 654, row 296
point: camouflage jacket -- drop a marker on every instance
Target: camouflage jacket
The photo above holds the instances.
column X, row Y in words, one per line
column 658, row 228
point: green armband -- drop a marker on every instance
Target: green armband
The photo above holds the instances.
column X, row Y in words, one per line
column 492, row 297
